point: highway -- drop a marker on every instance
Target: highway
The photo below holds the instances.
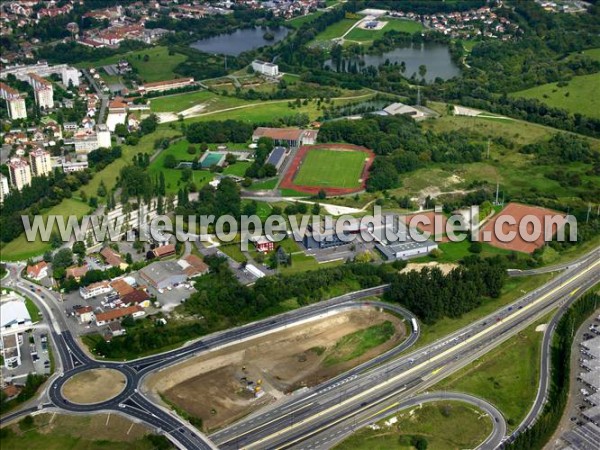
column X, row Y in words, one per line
column 324, row 412
column 316, row 411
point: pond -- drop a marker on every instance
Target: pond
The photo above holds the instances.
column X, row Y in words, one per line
column 435, row 57
column 240, row 41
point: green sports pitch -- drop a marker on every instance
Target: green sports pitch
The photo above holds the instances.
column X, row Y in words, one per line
column 331, row 169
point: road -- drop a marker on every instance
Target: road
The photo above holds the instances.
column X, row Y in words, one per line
column 350, row 399
column 103, row 97
column 317, row 411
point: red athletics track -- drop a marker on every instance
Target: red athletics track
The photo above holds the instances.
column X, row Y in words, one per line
column 287, row 181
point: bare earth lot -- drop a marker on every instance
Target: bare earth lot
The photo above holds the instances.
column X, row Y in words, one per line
column 210, row 387
column 93, row 386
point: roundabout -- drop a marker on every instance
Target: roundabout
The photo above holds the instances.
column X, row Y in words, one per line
column 94, row 386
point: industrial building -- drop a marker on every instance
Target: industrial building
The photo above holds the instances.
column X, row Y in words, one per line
column 277, row 157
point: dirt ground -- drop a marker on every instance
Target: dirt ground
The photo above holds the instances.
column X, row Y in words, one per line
column 93, row 386
column 214, row 387
column 445, row 268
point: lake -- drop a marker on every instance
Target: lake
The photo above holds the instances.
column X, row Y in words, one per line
column 239, row 41
column 436, row 58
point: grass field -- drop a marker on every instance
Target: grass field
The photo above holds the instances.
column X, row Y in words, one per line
column 593, row 53
column 406, row 26
column 507, row 376
column 75, row 432
column 445, row 425
column 581, row 95
column 159, row 67
column 330, row 168
column 297, row 22
column 358, row 343
column 335, row 30
column 20, row 249
column 180, row 102
column 456, row 251
column 173, row 176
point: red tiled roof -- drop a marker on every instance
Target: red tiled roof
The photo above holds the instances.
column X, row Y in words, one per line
column 34, row 271
column 122, row 287
column 117, row 313
column 77, row 271
column 111, row 257
column 136, row 296
column 164, row 250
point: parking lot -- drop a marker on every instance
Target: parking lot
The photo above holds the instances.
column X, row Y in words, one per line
column 34, row 356
column 584, row 414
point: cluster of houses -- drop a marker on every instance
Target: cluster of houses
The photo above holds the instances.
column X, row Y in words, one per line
column 473, row 23
column 131, row 294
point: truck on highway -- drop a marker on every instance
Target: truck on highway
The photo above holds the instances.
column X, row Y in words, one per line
column 415, row 325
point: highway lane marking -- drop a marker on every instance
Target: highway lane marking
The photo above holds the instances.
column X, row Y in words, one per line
column 475, row 337
column 266, row 423
column 341, row 419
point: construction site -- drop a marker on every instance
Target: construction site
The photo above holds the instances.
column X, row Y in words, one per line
column 225, row 385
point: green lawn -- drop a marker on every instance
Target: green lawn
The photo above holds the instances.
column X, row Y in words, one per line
column 234, row 251
column 21, row 249
column 445, row 425
column 455, row 251
column 593, row 53
column 335, row 30
column 180, row 102
column 507, row 376
column 159, row 67
column 33, row 310
column 297, row 22
column 406, row 26
column 358, row 343
column 238, row 169
column 302, row 263
column 581, row 95
column 263, row 185
column 331, row 168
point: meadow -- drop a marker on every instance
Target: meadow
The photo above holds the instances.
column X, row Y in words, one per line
column 581, row 94
column 335, row 30
column 159, row 66
column 403, row 25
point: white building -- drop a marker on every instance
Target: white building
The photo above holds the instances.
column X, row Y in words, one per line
column 265, row 68
column 70, row 74
column 74, row 166
column 14, row 101
column 14, row 316
column 103, row 135
column 40, row 161
column 3, row 187
column 20, row 173
column 43, row 90
column 43, row 70
column 95, row 289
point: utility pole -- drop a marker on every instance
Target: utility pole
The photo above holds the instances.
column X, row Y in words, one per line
column 588, row 213
column 497, row 192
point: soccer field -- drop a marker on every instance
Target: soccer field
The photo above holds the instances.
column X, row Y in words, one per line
column 330, row 168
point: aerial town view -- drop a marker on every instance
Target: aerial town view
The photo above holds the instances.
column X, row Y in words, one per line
column 300, row 224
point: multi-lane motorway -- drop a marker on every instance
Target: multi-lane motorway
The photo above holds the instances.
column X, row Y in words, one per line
column 320, row 416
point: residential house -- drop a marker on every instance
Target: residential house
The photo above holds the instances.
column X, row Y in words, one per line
column 119, row 313
column 38, row 271
column 164, row 251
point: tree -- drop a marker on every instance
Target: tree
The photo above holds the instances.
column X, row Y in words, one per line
column 191, row 150
column 170, row 161
column 422, row 70
column 101, row 191
column 316, row 209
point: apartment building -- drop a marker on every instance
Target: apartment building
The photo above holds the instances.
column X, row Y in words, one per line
column 20, row 173
column 40, row 162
